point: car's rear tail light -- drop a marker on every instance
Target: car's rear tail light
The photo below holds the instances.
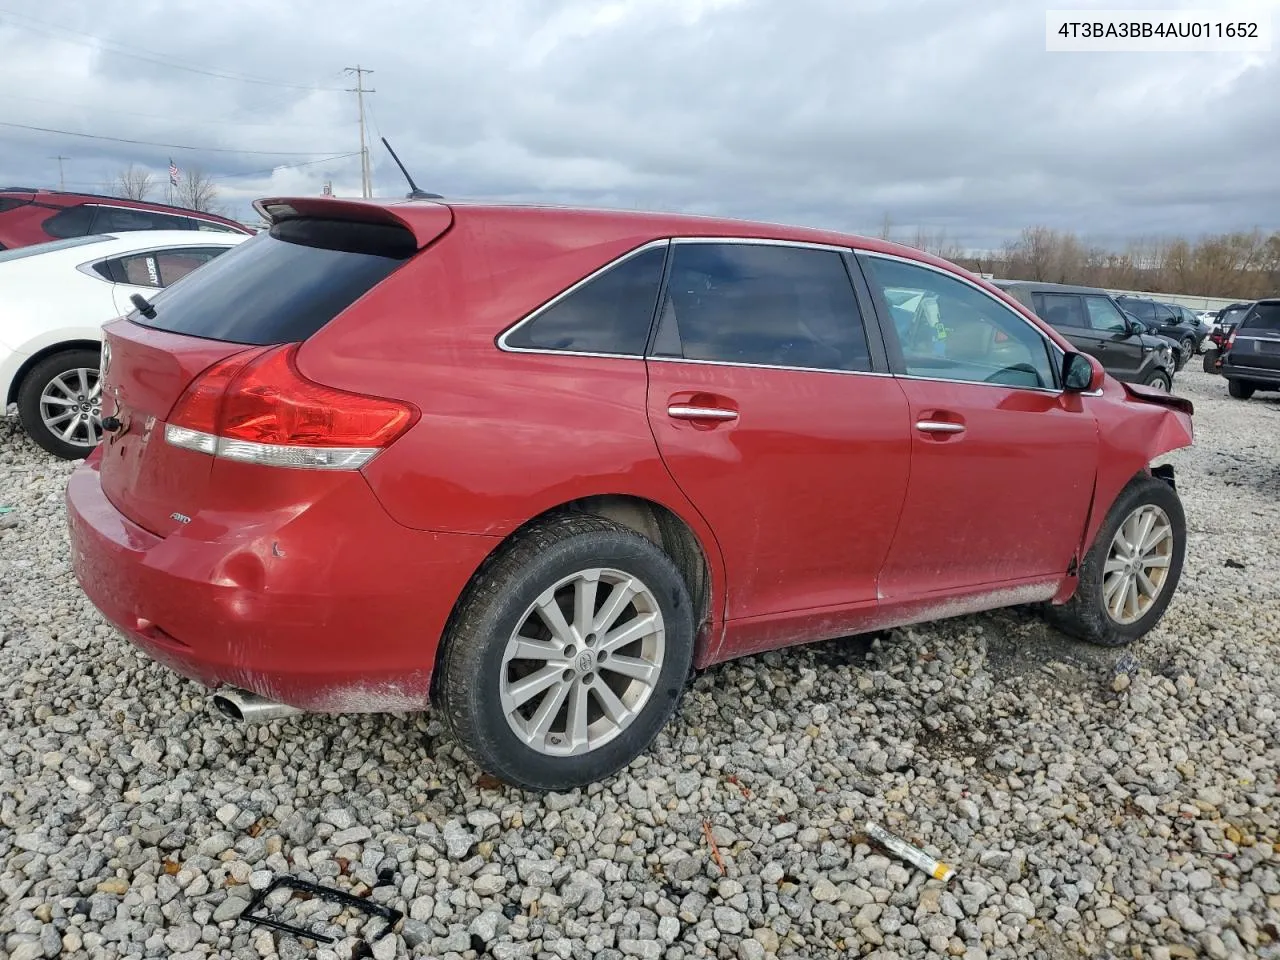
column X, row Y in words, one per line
column 257, row 407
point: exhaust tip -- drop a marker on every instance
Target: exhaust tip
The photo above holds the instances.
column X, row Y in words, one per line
column 243, row 706
column 227, row 707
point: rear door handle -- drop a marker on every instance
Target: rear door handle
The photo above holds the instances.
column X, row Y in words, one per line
column 683, row 411
column 939, row 426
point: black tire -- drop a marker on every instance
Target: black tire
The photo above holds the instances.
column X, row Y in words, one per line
column 33, row 385
column 1211, row 360
column 1240, row 389
column 1186, row 350
column 1085, row 616
column 1160, row 380
column 468, row 693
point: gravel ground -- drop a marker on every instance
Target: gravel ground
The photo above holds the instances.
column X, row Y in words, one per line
column 1095, row 803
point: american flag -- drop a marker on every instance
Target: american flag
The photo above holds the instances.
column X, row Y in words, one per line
column 173, row 173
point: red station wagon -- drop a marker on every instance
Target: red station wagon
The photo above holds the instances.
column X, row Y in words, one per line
column 533, row 465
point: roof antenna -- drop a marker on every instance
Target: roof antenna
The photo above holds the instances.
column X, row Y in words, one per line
column 414, row 192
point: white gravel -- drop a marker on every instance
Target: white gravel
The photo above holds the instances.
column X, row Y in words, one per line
column 1094, row 803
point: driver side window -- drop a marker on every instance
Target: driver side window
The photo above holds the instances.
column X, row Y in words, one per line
column 948, row 330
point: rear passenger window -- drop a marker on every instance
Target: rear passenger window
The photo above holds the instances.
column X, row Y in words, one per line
column 140, row 270
column 1062, row 310
column 610, row 313
column 761, row 304
column 71, row 222
column 125, row 219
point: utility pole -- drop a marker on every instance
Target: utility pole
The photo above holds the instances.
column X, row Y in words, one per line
column 366, row 176
column 62, row 180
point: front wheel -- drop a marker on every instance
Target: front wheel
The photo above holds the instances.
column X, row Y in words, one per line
column 60, row 403
column 1239, row 389
column 1159, row 380
column 568, row 654
column 1129, row 574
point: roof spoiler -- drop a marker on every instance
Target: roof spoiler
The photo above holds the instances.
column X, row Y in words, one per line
column 426, row 221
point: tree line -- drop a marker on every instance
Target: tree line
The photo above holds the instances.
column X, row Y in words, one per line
column 1241, row 265
column 196, row 190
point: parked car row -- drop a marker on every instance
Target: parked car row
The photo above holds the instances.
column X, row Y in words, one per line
column 1094, row 323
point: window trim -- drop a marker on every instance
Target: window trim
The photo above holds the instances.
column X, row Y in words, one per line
column 863, row 296
column 1056, row 353
column 502, row 340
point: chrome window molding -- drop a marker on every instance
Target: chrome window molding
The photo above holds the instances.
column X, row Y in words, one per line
column 503, row 338
column 768, row 366
column 763, row 242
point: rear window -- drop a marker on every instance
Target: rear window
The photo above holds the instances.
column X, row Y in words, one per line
column 1265, row 316
column 282, row 285
column 12, row 203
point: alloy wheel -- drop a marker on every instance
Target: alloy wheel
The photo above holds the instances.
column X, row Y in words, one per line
column 1137, row 564
column 583, row 662
column 71, row 407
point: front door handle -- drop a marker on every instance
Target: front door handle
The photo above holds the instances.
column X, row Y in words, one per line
column 683, row 411
column 939, row 426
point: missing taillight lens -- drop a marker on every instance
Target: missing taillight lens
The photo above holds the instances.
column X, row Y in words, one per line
column 257, row 407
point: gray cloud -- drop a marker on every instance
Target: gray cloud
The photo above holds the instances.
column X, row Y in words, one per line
column 939, row 114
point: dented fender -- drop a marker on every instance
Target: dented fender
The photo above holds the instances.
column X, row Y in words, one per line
column 1136, row 426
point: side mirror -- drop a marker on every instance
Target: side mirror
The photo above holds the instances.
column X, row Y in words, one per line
column 1081, row 373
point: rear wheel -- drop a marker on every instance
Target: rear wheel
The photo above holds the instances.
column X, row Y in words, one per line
column 1211, row 360
column 1159, row 380
column 568, row 655
column 1186, row 350
column 1129, row 574
column 1240, row 389
column 60, row 403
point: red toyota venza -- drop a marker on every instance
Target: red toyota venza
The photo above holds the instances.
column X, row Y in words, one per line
column 533, row 465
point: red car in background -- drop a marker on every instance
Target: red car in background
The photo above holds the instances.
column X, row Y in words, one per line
column 533, row 465
column 29, row 215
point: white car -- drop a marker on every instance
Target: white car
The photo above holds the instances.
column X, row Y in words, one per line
column 54, row 299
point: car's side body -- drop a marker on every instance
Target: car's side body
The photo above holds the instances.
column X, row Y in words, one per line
column 805, row 498
column 61, row 293
column 1095, row 323
column 30, row 215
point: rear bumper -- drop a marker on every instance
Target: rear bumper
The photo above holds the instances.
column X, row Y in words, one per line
column 1259, row 375
column 337, row 609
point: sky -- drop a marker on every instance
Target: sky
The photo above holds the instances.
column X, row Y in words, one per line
column 946, row 116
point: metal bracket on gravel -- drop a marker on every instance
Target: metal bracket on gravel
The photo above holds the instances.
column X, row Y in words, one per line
column 389, row 914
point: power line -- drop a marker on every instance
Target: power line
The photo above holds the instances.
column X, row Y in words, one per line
column 171, row 146
column 148, row 56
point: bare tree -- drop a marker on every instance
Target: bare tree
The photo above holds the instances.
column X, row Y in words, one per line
column 886, row 228
column 133, row 182
column 196, row 190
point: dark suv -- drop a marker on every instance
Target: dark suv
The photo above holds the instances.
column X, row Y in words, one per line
column 1169, row 320
column 1251, row 360
column 1095, row 324
column 29, row 215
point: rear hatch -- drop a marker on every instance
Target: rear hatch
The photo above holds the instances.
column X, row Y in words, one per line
column 1256, row 341
column 181, row 358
